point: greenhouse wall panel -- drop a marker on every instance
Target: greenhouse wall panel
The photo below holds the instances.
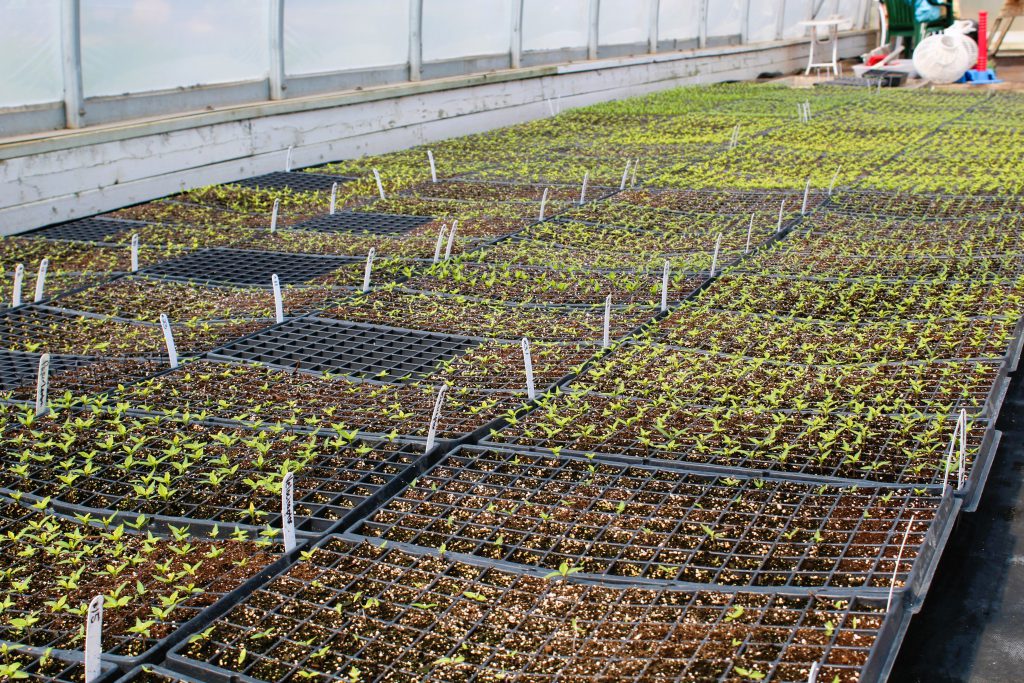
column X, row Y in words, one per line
column 323, row 36
column 623, row 22
column 146, row 45
column 555, row 24
column 455, row 29
column 679, row 23
column 30, row 52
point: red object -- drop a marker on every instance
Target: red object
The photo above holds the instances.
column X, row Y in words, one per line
column 982, row 41
column 875, row 59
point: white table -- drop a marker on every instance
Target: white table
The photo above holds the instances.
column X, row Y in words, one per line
column 824, row 31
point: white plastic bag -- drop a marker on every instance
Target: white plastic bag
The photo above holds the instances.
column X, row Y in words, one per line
column 942, row 58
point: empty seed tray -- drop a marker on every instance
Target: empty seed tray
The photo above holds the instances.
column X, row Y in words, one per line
column 246, row 268
column 354, row 349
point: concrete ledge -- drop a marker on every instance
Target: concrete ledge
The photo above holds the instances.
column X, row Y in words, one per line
column 47, row 178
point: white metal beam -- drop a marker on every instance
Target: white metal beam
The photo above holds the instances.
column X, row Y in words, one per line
column 277, row 84
column 71, row 62
column 745, row 26
column 516, row 57
column 652, row 26
column 415, row 40
column 594, row 21
column 702, row 27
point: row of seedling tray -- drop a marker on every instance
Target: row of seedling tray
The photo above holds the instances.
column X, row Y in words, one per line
column 680, row 474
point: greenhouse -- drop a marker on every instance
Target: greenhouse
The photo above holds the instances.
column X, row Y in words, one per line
column 449, row 341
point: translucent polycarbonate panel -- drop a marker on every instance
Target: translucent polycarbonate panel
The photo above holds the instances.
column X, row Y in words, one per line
column 335, row 35
column 555, row 24
column 679, row 19
column 850, row 11
column 30, row 52
column 142, row 45
column 796, row 11
column 725, row 17
column 622, row 22
column 763, row 21
column 453, row 29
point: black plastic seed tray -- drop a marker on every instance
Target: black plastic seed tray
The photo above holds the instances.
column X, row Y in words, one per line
column 358, row 223
column 20, row 368
column 232, row 486
column 54, row 633
column 723, row 202
column 154, row 674
column 96, row 229
column 352, row 611
column 355, row 349
column 296, row 181
column 375, row 410
column 924, row 206
column 246, row 268
column 57, row 666
column 607, row 427
column 634, row 523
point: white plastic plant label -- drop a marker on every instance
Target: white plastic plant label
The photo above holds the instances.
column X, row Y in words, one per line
column 782, row 211
column 636, row 164
column 625, row 175
column 607, row 338
column 288, row 160
column 956, row 442
column 368, row 272
column 666, row 271
column 135, row 253
column 440, row 242
column 433, row 167
column 807, row 194
column 41, row 279
column 93, row 639
column 334, row 198
column 583, row 191
column 288, row 511
column 962, row 461
column 435, row 417
column 750, row 231
column 172, row 352
column 735, row 139
column 451, row 241
column 835, row 179
column 42, row 384
column 273, row 215
column 275, row 282
column 714, row 259
column 531, row 390
column 543, row 205
column 380, row 185
column 899, row 558
column 19, row 278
